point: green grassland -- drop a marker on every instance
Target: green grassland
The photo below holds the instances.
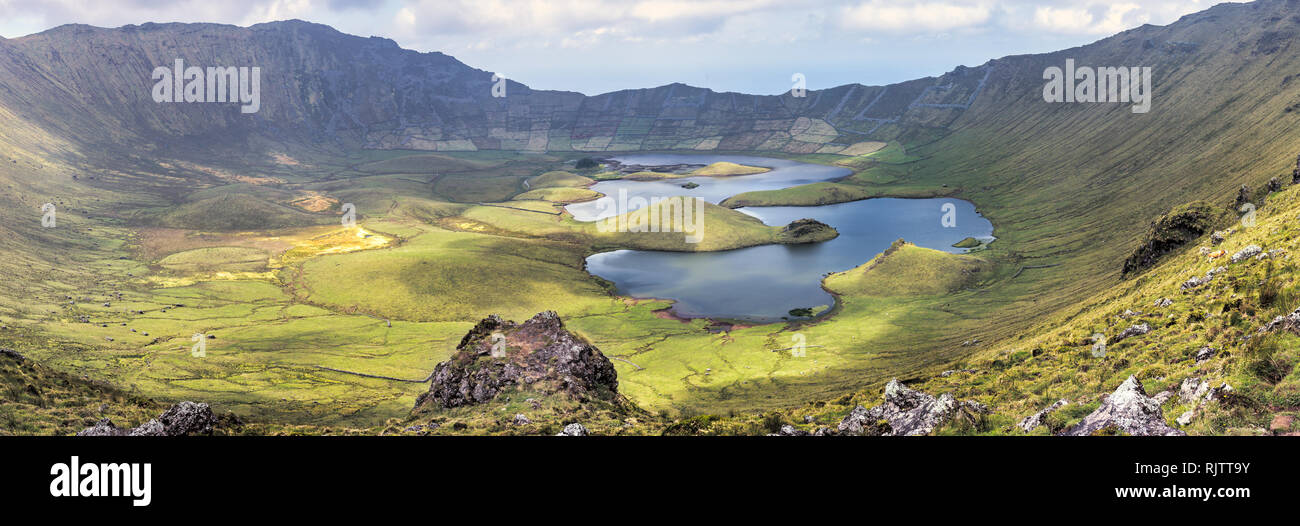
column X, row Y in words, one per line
column 230, row 259
column 729, row 168
column 718, row 169
column 559, row 195
column 278, row 315
column 559, row 179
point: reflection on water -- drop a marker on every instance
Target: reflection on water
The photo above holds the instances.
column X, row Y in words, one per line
column 784, row 174
column 763, row 283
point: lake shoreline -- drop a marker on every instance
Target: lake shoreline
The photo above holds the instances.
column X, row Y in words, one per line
column 761, row 284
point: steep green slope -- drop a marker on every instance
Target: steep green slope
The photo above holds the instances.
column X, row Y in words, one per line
column 1238, row 328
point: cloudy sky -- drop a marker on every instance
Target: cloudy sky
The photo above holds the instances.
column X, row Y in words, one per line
column 594, row 46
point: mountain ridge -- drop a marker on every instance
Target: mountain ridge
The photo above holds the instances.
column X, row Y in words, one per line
column 437, row 103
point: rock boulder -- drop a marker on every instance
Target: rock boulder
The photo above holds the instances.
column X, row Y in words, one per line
column 1128, row 410
column 539, row 354
column 908, row 412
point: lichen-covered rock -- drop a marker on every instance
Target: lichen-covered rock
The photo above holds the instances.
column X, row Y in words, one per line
column 1192, row 390
column 1032, row 421
column 103, row 428
column 789, row 431
column 188, row 418
column 1203, row 354
column 573, row 430
column 1286, row 322
column 908, row 412
column 184, row 418
column 1128, row 410
column 152, row 428
column 1135, row 330
column 539, row 354
column 1246, row 253
column 1198, row 281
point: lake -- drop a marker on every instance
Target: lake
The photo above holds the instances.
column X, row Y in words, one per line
column 763, row 283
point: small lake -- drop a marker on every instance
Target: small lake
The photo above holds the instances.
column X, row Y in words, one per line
column 784, row 174
column 764, row 283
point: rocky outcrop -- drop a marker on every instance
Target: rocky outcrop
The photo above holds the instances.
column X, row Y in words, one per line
column 789, row 431
column 1032, row 421
column 1128, row 410
column 185, row 418
column 1198, row 281
column 1135, row 330
column 1175, row 229
column 1203, row 354
column 1192, row 390
column 573, row 430
column 1286, row 322
column 1198, row 392
column 1246, row 253
column 12, row 354
column 908, row 412
column 539, row 355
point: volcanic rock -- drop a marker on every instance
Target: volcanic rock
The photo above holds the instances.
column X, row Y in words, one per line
column 908, row 412
column 185, row 418
column 539, row 355
column 1032, row 421
column 1128, row 410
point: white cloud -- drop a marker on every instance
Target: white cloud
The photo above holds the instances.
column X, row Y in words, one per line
column 914, row 16
column 548, row 43
column 1095, row 19
column 669, row 10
